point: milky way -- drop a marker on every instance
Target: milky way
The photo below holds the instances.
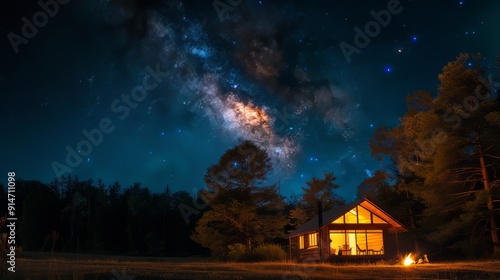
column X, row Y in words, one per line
column 270, row 72
column 227, row 96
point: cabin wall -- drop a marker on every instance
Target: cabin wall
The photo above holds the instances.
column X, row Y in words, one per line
column 313, row 253
column 390, row 245
column 308, row 254
column 325, row 243
column 294, row 248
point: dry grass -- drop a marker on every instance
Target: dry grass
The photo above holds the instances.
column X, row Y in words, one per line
column 98, row 267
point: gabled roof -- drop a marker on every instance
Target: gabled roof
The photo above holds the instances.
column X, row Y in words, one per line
column 335, row 213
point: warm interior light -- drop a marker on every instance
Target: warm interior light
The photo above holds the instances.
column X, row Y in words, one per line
column 408, row 260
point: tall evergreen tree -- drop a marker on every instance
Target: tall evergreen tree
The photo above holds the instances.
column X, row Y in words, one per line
column 316, row 190
column 448, row 144
column 241, row 209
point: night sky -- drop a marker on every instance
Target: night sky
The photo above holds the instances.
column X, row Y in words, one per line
column 171, row 85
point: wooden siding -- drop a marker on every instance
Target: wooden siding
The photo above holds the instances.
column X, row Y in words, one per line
column 309, row 255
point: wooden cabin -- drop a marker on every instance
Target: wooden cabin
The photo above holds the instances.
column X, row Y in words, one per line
column 358, row 230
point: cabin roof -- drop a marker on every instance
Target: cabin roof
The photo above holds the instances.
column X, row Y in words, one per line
column 335, row 213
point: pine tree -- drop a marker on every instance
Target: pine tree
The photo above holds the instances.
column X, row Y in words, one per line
column 241, row 209
column 448, row 144
column 317, row 190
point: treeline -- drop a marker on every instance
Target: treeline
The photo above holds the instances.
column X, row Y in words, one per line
column 73, row 215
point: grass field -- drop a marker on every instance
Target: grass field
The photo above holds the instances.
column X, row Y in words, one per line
column 108, row 267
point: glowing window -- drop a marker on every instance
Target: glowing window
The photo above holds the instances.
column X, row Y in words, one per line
column 313, row 239
column 351, row 216
column 375, row 241
column 359, row 242
column 359, row 215
column 301, row 242
column 364, row 216
column 339, row 220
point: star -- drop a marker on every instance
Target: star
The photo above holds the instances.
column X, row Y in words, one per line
column 217, row 85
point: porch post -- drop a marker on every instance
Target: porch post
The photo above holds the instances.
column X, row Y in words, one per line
column 290, row 247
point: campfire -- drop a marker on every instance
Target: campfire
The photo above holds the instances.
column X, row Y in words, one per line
column 409, row 260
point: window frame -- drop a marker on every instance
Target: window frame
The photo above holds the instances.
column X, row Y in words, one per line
column 313, row 237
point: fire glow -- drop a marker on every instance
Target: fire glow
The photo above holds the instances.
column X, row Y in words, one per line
column 408, row 260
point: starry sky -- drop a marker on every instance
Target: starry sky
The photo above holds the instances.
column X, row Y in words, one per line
column 155, row 91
